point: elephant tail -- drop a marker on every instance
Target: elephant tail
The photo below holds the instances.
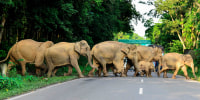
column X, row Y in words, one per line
column 7, row 55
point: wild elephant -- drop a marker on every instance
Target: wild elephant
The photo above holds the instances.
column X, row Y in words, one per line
column 175, row 61
column 112, row 52
column 65, row 53
column 145, row 66
column 28, row 51
column 148, row 54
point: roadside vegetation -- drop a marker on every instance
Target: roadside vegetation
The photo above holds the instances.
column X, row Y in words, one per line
column 94, row 21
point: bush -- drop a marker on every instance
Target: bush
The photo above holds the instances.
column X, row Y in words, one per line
column 9, row 83
column 176, row 46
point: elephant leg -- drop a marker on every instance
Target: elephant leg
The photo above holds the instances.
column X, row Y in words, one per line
column 38, row 71
column 105, row 74
column 136, row 72
column 184, row 69
column 119, row 67
column 150, row 73
column 113, row 70
column 147, row 73
column 74, row 63
column 54, row 72
column 175, row 73
column 69, row 71
column 142, row 73
column 23, row 65
column 165, row 74
column 99, row 71
column 50, row 67
column 90, row 74
column 128, row 66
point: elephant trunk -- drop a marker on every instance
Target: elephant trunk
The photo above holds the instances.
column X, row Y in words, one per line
column 89, row 59
column 192, row 66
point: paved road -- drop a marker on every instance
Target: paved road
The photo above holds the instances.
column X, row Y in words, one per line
column 119, row 88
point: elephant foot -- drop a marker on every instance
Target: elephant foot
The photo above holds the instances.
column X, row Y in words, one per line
column 90, row 75
column 67, row 74
column 158, row 74
column 173, row 77
column 187, row 77
column 81, row 76
column 165, row 76
column 123, row 75
column 105, row 75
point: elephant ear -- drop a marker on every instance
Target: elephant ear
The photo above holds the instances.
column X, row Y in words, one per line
column 77, row 47
column 125, row 50
column 187, row 58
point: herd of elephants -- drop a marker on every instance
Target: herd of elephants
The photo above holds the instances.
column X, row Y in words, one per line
column 48, row 57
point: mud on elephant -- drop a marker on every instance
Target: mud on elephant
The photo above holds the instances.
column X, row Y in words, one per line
column 28, row 51
column 112, row 52
column 65, row 53
column 175, row 61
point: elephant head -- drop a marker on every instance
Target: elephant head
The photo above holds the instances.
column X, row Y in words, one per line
column 131, row 52
column 157, row 53
column 188, row 60
column 83, row 48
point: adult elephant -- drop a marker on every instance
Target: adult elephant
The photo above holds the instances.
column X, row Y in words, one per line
column 148, row 54
column 65, row 53
column 28, row 51
column 112, row 52
column 175, row 61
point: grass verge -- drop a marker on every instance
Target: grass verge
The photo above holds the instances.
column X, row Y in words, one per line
column 31, row 83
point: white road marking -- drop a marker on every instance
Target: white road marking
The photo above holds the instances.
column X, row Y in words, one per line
column 142, row 81
column 141, row 91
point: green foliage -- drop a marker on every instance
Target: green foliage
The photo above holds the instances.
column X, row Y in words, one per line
column 179, row 18
column 176, row 46
column 127, row 35
column 7, row 83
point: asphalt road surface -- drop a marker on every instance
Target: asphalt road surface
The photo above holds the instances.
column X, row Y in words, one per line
column 118, row 88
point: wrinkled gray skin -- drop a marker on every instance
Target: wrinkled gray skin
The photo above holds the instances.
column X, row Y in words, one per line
column 148, row 54
column 65, row 53
column 112, row 52
column 176, row 61
column 145, row 66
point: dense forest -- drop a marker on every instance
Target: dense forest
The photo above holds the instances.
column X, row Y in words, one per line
column 63, row 20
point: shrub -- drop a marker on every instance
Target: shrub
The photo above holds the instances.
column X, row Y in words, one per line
column 176, row 46
column 9, row 83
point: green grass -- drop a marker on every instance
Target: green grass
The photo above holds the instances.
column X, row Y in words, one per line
column 30, row 83
column 33, row 83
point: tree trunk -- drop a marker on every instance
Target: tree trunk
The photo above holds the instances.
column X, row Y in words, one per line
column 181, row 38
column 182, row 42
column 2, row 26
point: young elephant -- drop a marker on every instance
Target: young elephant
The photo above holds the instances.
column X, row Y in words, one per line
column 65, row 53
column 28, row 51
column 175, row 61
column 145, row 66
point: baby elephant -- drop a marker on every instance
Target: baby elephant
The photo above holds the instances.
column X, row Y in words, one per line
column 145, row 66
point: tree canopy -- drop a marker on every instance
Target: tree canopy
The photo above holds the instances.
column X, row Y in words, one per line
column 64, row 20
column 179, row 23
